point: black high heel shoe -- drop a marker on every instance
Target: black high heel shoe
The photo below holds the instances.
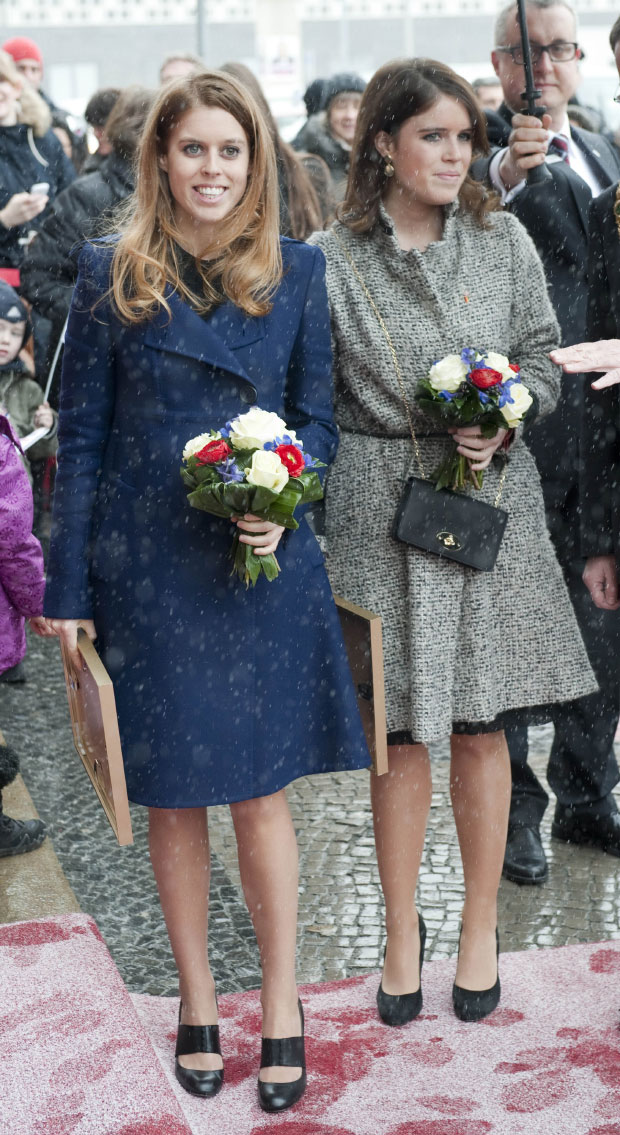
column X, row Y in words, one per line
column 474, row 1004
column 400, row 1008
column 198, row 1038
column 288, row 1053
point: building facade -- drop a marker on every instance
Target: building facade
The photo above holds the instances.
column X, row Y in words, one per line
column 92, row 43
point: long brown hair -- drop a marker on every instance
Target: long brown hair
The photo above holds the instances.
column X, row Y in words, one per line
column 397, row 91
column 244, row 261
column 301, row 200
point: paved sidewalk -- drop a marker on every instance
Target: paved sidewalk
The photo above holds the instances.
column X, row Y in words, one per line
column 340, row 900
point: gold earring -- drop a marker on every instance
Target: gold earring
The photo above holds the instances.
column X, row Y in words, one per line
column 388, row 168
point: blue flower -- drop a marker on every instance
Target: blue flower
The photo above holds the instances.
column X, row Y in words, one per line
column 468, row 356
column 226, row 430
column 286, row 439
column 446, row 395
column 230, row 471
column 505, row 394
column 310, row 462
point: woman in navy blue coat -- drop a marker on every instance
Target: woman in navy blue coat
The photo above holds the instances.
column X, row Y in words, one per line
column 224, row 694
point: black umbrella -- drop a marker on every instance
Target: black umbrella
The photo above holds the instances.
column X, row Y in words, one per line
column 539, row 173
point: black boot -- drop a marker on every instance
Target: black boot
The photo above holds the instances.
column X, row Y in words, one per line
column 16, row 836
column 19, row 836
column 525, row 861
column 14, row 676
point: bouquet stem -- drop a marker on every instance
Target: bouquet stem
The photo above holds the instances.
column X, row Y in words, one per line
column 456, row 473
column 247, row 566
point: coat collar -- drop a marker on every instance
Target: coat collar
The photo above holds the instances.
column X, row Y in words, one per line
column 214, row 340
column 595, row 152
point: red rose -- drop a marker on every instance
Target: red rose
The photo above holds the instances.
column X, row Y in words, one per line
column 484, row 377
column 292, row 458
column 213, row 451
column 514, row 367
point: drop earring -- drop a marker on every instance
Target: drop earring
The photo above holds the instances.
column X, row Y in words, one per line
column 388, row 168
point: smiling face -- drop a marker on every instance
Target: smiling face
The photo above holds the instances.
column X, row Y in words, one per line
column 342, row 115
column 11, row 339
column 9, row 94
column 557, row 82
column 207, row 160
column 431, row 154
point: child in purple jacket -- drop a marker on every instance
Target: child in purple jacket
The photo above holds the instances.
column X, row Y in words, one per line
column 21, row 597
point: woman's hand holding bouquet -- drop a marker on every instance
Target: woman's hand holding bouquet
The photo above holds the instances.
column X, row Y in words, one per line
column 252, row 470
column 478, row 395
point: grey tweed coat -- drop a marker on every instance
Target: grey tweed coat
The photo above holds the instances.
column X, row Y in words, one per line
column 460, row 645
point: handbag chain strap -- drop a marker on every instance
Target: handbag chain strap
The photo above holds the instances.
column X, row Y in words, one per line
column 399, row 374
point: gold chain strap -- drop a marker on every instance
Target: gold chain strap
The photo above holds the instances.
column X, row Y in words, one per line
column 399, row 375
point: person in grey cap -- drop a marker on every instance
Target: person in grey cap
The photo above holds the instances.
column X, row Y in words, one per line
column 330, row 133
column 22, row 400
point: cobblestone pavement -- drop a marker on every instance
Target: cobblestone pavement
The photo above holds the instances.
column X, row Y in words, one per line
column 340, row 900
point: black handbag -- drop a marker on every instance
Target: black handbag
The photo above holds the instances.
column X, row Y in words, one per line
column 449, row 524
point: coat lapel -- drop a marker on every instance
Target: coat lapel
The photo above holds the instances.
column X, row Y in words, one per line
column 216, row 340
column 595, row 153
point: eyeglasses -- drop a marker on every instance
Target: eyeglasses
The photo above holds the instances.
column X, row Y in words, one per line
column 560, row 52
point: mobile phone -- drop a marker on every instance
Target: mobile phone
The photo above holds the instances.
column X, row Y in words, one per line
column 41, row 187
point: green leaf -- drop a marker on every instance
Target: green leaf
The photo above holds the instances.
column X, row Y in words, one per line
column 269, row 565
column 187, row 478
column 243, row 457
column 313, row 489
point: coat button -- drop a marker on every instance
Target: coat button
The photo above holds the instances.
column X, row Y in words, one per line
column 248, row 396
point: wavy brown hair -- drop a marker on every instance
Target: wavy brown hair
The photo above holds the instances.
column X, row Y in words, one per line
column 301, row 212
column 244, row 261
column 397, row 91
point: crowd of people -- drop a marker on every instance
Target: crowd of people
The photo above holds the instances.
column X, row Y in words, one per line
column 200, row 265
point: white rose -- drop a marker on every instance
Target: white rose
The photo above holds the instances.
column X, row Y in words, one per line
column 267, row 470
column 515, row 411
column 253, row 429
column 500, row 363
column 196, row 443
column 448, row 373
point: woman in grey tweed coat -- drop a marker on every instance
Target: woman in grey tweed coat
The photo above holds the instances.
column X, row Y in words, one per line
column 463, row 649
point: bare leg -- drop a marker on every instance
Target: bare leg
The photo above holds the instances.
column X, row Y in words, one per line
column 480, row 786
column 268, row 863
column 179, row 847
column 401, row 800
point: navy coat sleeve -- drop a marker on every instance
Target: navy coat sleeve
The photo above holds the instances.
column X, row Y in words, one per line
column 86, row 412
column 308, row 399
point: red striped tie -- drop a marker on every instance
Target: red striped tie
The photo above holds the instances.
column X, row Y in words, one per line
column 559, row 145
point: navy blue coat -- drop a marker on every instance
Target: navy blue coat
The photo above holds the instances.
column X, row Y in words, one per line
column 223, row 693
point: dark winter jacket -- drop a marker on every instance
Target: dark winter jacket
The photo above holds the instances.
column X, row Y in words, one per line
column 20, row 397
column 24, row 161
column 49, row 270
column 315, row 138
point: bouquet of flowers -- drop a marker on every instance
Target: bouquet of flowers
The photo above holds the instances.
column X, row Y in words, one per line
column 254, row 464
column 474, row 388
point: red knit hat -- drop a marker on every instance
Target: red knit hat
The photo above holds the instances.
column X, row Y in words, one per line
column 21, row 48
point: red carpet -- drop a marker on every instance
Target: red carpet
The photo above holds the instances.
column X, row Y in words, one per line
column 547, row 1062
column 73, row 1057
column 76, row 1058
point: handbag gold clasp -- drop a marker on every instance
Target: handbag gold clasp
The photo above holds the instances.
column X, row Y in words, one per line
column 449, row 540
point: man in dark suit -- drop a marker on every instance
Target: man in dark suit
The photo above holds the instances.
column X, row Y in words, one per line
column 582, row 768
